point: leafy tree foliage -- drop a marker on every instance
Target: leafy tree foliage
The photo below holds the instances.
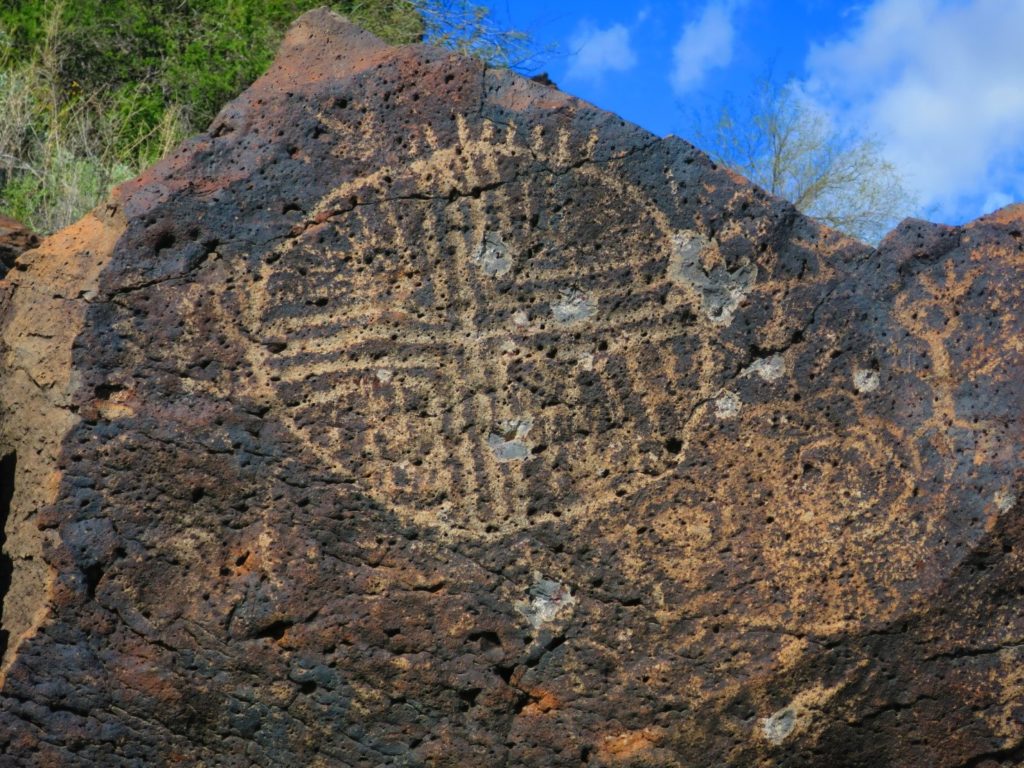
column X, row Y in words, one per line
column 784, row 143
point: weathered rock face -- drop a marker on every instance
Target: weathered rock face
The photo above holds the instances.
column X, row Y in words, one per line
column 419, row 414
column 15, row 238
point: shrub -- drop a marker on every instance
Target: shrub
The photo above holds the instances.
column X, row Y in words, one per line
column 92, row 91
column 61, row 146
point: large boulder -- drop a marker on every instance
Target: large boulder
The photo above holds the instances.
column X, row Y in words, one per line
column 420, row 414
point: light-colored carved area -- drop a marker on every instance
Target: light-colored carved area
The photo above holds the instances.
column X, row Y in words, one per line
column 48, row 296
column 413, row 330
column 479, row 370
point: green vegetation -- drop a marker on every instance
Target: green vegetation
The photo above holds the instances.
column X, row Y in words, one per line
column 92, row 91
column 783, row 142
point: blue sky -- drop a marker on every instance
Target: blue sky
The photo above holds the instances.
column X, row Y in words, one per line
column 939, row 83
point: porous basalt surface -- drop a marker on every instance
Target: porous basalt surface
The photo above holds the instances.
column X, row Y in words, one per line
column 15, row 238
column 420, row 414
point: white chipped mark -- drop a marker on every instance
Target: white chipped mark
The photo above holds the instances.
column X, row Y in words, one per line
column 573, row 306
column 507, row 450
column 520, row 318
column 865, row 380
column 799, row 715
column 777, row 727
column 509, row 442
column 769, row 369
column 728, row 405
column 384, row 375
column 548, row 599
column 493, row 257
column 721, row 291
column 1005, row 500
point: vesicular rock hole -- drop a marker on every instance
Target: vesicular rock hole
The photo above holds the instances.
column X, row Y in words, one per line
column 7, row 466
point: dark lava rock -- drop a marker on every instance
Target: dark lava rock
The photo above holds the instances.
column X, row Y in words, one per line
column 15, row 238
column 422, row 415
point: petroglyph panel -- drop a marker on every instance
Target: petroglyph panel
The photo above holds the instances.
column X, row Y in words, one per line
column 429, row 349
column 479, row 308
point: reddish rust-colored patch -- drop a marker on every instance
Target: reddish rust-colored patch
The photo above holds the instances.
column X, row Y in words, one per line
column 541, row 702
column 625, row 747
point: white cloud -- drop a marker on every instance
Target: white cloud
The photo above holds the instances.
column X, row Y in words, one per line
column 941, row 84
column 706, row 44
column 597, row 52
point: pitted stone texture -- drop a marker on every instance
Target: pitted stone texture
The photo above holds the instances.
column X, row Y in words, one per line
column 15, row 238
column 424, row 415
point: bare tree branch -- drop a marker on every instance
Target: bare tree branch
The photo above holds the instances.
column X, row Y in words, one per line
column 783, row 142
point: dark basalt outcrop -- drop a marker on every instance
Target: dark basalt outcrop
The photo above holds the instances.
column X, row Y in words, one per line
column 15, row 238
column 420, row 414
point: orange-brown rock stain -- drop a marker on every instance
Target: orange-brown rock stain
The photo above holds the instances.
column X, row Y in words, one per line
column 541, row 702
column 49, row 295
column 629, row 747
